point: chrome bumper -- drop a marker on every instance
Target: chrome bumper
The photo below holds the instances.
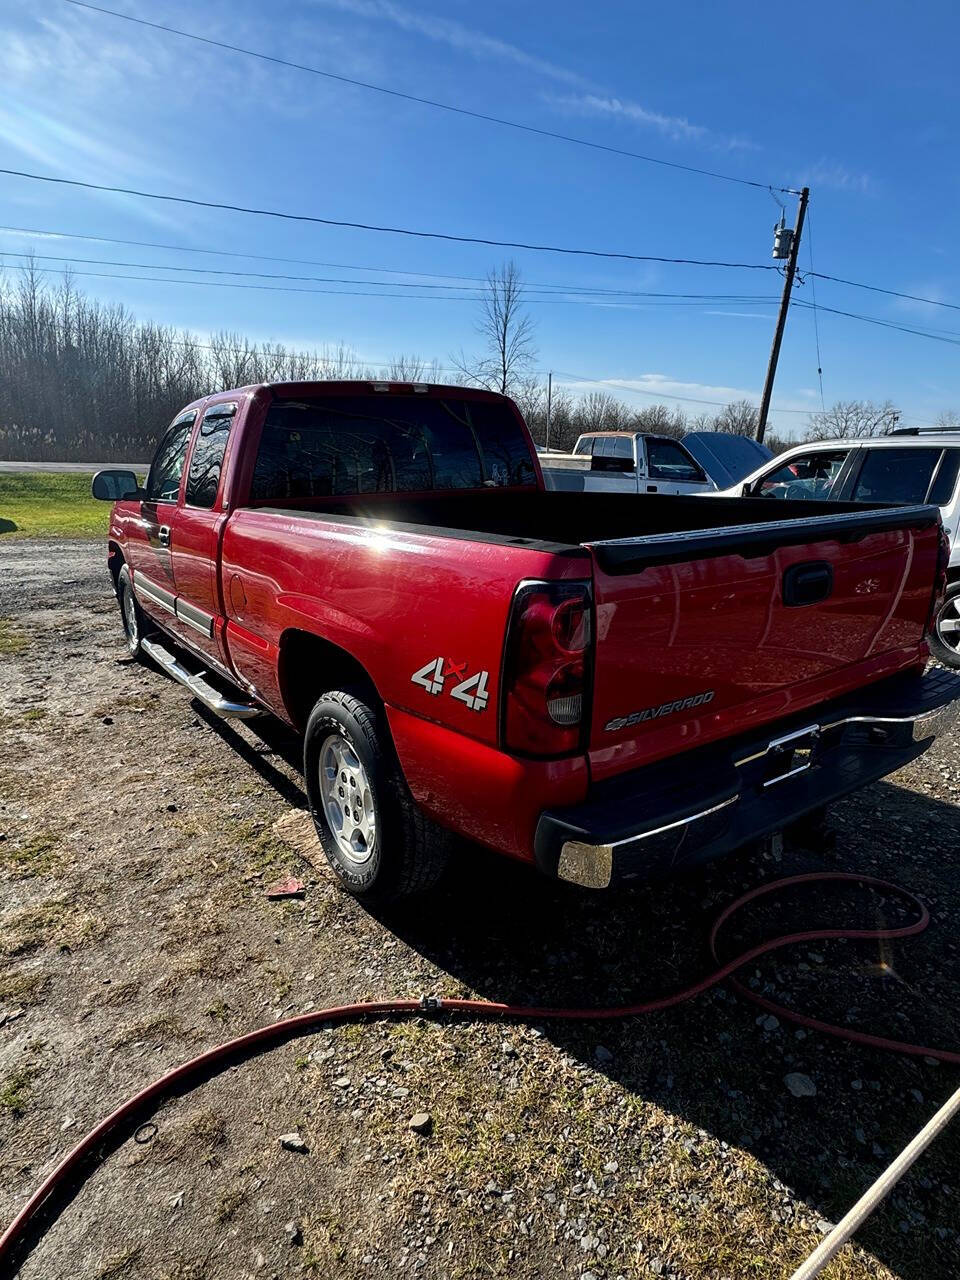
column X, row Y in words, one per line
column 648, row 823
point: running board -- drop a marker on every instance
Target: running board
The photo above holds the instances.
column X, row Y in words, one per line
column 197, row 685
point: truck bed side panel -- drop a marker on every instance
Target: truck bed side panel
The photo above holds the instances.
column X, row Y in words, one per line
column 425, row 616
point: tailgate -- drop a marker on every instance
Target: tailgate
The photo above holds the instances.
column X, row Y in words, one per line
column 707, row 633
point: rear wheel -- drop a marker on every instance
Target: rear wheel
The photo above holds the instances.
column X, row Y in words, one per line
column 130, row 613
column 945, row 638
column 376, row 839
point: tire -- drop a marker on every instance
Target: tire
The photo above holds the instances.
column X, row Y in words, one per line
column 945, row 637
column 383, row 847
column 131, row 615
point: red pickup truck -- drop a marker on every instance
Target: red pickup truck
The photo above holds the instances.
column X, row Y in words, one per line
column 604, row 685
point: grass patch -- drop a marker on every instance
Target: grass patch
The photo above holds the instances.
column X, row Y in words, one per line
column 118, row 1264
column 52, row 923
column 33, row 714
column 197, row 1137
column 159, row 1026
column 36, row 856
column 15, row 1090
column 12, row 641
column 23, row 988
column 40, row 504
column 230, row 1199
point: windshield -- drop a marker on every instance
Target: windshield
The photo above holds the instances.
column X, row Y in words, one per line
column 388, row 444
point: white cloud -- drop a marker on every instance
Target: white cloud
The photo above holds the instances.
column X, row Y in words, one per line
column 592, row 104
column 663, row 386
column 831, row 173
column 456, row 36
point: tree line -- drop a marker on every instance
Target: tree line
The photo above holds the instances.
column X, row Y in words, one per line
column 82, row 380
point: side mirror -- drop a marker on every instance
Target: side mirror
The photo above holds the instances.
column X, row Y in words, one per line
column 114, row 485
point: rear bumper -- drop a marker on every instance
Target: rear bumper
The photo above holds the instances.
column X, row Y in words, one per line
column 694, row 807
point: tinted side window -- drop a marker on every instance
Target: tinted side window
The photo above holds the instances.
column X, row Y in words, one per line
column 622, row 447
column 163, row 482
column 670, row 461
column 895, row 475
column 203, row 478
column 945, row 482
column 585, row 445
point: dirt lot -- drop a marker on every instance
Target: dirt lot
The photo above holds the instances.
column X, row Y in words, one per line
column 138, row 835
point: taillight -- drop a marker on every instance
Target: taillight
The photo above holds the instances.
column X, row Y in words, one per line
column 940, row 580
column 546, row 671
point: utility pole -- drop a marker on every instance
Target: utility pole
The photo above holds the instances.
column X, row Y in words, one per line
column 549, row 406
column 784, row 307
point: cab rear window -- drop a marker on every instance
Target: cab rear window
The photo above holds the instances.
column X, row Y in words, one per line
column 381, row 443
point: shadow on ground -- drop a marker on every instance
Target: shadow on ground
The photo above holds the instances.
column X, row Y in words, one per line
column 502, row 932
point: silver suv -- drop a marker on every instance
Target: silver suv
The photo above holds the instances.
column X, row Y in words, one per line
column 908, row 466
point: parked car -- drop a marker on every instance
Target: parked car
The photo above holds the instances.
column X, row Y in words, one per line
column 625, row 462
column 602, row 687
column 909, row 466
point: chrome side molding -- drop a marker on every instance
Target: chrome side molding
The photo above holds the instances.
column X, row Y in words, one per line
column 198, row 686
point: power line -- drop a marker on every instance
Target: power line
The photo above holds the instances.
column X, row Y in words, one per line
column 950, row 336
column 528, row 291
column 352, row 293
column 425, row 102
column 343, row 266
column 816, row 317
column 368, row 226
column 892, row 293
column 435, row 275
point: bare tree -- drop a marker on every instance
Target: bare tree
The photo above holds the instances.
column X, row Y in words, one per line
column 854, row 420
column 738, row 419
column 949, row 420
column 506, row 331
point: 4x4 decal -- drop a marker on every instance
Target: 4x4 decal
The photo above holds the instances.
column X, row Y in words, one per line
column 471, row 690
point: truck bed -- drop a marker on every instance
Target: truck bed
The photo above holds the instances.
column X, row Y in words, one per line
column 563, row 521
column 698, row 631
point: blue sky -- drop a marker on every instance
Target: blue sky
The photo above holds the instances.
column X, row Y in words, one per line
column 860, row 102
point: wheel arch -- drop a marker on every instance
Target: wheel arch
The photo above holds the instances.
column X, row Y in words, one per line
column 115, row 562
column 309, row 665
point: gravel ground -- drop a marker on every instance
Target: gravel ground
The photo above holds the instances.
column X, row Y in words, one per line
column 137, row 836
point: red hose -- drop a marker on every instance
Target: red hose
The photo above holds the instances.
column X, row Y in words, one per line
column 305, row 1022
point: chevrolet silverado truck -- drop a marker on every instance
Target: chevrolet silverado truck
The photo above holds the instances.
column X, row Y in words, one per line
column 608, row 689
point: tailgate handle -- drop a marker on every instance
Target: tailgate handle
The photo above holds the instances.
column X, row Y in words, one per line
column 807, row 583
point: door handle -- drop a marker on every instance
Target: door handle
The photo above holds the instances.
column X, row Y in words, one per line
column 807, row 583
column 163, row 535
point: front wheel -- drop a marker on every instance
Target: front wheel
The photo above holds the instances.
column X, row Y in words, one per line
column 130, row 613
column 374, row 836
column 945, row 638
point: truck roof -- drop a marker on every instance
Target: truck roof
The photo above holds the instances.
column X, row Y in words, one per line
column 332, row 386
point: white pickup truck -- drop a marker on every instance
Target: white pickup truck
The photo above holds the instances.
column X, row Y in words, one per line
column 625, row 462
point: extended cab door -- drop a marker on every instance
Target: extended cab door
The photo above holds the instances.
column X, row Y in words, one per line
column 148, row 544
column 195, row 535
column 671, row 469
